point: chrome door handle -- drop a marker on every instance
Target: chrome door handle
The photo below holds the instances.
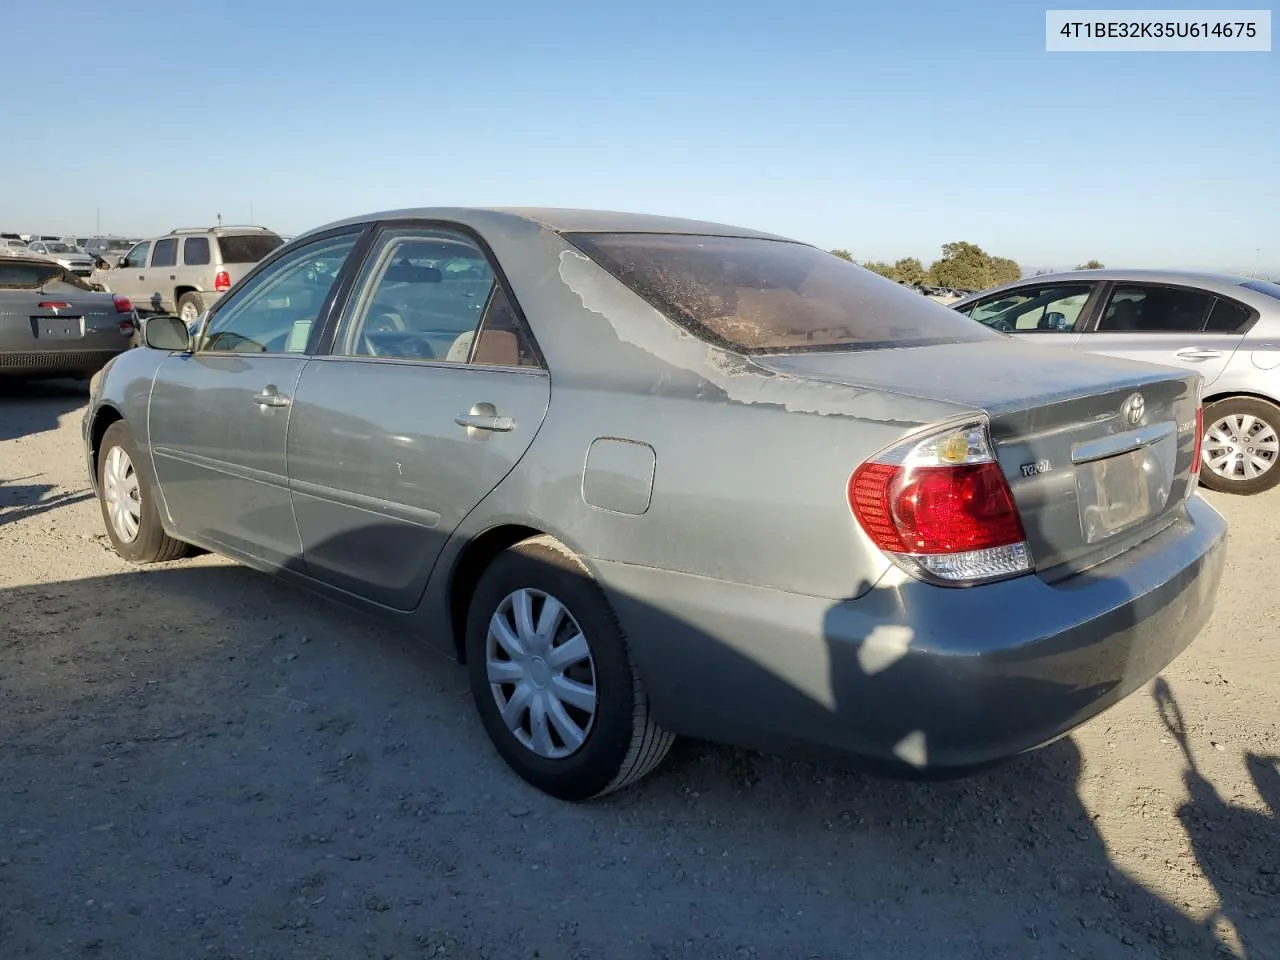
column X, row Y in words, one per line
column 269, row 398
column 1194, row 355
column 474, row 421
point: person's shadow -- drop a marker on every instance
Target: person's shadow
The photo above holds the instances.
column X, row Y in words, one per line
column 1238, row 849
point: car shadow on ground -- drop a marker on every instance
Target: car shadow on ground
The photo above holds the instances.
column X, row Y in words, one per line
column 19, row 499
column 34, row 406
column 200, row 758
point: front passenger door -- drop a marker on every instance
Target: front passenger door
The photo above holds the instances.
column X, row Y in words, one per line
column 219, row 416
column 127, row 279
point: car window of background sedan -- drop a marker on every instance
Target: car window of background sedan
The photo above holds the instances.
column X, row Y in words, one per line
column 1156, row 309
column 274, row 311
column 1041, row 309
column 422, row 296
column 772, row 296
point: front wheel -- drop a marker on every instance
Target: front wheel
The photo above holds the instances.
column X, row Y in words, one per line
column 1241, row 446
column 552, row 676
column 128, row 502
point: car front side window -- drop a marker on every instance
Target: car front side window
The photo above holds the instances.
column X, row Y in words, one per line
column 1052, row 308
column 137, row 257
column 275, row 311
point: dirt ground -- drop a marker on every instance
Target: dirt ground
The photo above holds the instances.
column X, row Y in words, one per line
column 198, row 762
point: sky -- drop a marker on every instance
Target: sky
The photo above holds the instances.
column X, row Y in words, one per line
column 886, row 130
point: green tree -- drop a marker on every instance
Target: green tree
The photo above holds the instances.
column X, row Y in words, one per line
column 880, row 267
column 909, row 270
column 966, row 266
column 1090, row 265
column 843, row 255
column 1004, row 270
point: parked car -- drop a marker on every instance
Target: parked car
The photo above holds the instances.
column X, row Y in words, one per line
column 107, row 250
column 53, row 325
column 1225, row 328
column 186, row 271
column 67, row 254
column 12, row 247
column 652, row 477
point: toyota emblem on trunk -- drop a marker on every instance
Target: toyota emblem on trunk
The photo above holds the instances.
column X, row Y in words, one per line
column 1133, row 409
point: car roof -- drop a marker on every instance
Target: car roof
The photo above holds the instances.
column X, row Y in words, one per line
column 1217, row 282
column 561, row 220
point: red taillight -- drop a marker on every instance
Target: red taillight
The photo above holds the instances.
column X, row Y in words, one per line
column 222, row 281
column 943, row 508
column 936, row 509
column 53, row 305
column 1196, row 451
column 123, row 304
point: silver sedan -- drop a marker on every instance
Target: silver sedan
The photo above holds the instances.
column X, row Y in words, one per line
column 650, row 477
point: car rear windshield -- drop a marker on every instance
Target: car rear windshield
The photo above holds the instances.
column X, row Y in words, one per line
column 772, row 296
column 247, row 247
column 33, row 276
column 1264, row 286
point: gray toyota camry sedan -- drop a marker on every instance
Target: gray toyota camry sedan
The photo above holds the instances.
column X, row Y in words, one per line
column 649, row 477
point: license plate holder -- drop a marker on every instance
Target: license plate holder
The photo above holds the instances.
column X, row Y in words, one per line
column 1120, row 492
column 58, row 328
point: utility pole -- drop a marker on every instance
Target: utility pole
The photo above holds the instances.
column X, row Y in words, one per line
column 219, row 219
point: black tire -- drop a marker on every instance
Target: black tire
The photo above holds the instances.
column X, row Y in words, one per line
column 151, row 544
column 1269, row 415
column 623, row 742
column 193, row 299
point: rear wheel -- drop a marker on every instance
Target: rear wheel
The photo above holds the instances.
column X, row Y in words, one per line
column 552, row 676
column 190, row 306
column 1241, row 445
column 127, row 497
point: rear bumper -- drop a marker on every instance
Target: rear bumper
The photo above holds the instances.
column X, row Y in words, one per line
column 932, row 678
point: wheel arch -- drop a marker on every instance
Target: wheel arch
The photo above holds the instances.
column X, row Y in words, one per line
column 1239, row 395
column 103, row 418
column 469, row 567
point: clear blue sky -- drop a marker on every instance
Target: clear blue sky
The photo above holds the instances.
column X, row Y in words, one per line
column 887, row 130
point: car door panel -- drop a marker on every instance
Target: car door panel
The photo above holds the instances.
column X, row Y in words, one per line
column 382, row 472
column 219, row 453
column 219, row 416
column 1162, row 324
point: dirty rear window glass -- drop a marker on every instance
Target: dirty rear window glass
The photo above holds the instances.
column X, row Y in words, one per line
column 32, row 276
column 770, row 296
column 247, row 248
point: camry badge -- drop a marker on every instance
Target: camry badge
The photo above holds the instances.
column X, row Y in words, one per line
column 1133, row 409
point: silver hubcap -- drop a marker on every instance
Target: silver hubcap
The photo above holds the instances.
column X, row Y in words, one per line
column 189, row 313
column 541, row 673
column 1240, row 447
column 122, row 494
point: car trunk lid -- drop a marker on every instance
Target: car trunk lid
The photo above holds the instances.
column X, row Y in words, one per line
column 1097, row 452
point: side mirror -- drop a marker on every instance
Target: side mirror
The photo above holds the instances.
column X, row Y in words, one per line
column 120, row 262
column 166, row 333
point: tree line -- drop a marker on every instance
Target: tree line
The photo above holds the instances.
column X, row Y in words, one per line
column 962, row 266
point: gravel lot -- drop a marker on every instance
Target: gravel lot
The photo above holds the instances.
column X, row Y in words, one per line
column 197, row 762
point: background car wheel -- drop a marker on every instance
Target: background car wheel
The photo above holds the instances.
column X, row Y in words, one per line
column 552, row 676
column 1241, row 446
column 190, row 306
column 128, row 502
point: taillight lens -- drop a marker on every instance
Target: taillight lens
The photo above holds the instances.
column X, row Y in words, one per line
column 221, row 281
column 123, row 304
column 941, row 508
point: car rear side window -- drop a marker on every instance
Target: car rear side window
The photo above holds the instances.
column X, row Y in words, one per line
column 165, row 253
column 195, row 251
column 1229, row 316
column 772, row 296
column 1155, row 309
column 247, row 247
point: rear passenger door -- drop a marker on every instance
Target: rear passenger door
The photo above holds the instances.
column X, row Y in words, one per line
column 1050, row 313
column 1169, row 324
column 432, row 391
